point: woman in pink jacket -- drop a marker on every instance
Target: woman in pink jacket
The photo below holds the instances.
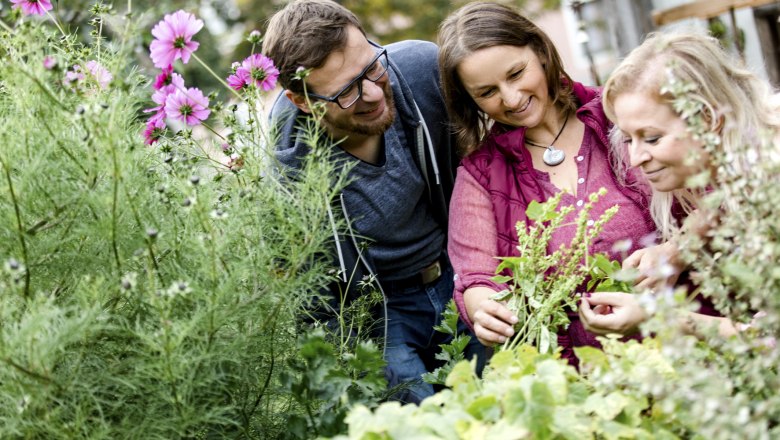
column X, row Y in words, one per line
column 526, row 132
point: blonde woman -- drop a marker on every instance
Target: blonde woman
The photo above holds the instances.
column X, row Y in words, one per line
column 735, row 104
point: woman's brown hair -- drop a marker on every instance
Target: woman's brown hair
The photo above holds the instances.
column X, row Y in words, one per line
column 482, row 25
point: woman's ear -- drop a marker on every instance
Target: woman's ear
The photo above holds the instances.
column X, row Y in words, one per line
column 299, row 100
column 720, row 122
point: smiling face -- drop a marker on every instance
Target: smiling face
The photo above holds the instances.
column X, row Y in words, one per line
column 374, row 112
column 513, row 90
column 658, row 141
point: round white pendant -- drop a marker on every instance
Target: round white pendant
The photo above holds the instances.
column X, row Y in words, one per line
column 553, row 156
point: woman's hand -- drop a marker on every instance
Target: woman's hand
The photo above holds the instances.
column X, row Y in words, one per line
column 658, row 266
column 611, row 312
column 493, row 322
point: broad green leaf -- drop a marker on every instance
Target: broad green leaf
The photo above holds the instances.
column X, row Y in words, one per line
column 607, row 407
column 544, row 340
column 553, row 373
column 535, row 211
column 485, row 408
column 504, row 294
column 571, row 425
column 591, row 357
column 462, row 377
column 540, row 411
column 501, row 361
column 615, row 431
column 514, row 404
column 507, row 431
column 578, row 392
column 603, row 263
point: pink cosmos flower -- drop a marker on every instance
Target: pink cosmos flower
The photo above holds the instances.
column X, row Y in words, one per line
column 188, row 106
column 240, row 79
column 175, row 82
column 164, row 78
column 99, row 73
column 74, row 76
column 155, row 128
column 49, row 62
column 174, row 38
column 30, row 7
column 256, row 69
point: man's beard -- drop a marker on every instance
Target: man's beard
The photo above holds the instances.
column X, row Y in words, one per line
column 372, row 128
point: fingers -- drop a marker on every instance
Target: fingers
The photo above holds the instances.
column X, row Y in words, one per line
column 632, row 261
column 624, row 315
column 493, row 323
column 650, row 284
column 590, row 320
column 606, row 298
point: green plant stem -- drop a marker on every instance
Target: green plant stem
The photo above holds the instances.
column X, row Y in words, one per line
column 37, row 376
column 219, row 78
column 43, row 88
column 211, row 129
column 62, row 147
column 19, row 226
column 5, row 26
column 57, row 23
column 115, row 207
column 149, row 243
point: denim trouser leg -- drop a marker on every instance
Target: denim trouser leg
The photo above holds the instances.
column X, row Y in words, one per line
column 412, row 343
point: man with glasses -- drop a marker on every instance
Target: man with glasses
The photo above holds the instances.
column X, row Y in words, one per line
column 385, row 116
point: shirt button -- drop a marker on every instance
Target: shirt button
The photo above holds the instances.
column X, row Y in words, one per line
column 579, row 202
column 580, row 158
column 581, row 180
column 591, row 222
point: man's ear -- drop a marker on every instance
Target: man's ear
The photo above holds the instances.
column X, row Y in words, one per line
column 299, row 101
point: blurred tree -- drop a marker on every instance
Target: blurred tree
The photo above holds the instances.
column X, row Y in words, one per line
column 389, row 20
column 229, row 22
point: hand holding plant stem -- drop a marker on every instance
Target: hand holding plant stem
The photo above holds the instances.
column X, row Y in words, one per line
column 542, row 284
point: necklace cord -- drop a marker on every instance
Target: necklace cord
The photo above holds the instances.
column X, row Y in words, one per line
column 534, row 144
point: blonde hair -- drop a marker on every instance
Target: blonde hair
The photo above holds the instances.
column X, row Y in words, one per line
column 735, row 103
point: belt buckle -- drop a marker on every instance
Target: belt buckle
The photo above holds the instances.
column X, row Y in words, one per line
column 431, row 273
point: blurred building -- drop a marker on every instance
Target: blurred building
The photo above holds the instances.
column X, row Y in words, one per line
column 592, row 36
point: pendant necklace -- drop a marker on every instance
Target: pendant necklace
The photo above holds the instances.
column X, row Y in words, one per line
column 552, row 156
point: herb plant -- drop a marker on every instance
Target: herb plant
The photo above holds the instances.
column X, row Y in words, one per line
column 541, row 285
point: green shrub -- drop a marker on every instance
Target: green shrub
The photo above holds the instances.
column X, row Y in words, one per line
column 147, row 292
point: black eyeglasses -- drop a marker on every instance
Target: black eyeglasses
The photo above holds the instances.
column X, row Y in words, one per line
column 350, row 94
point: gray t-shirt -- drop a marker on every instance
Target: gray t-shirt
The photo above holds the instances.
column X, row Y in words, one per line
column 388, row 205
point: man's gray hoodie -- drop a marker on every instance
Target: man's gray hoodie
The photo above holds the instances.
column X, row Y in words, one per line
column 414, row 78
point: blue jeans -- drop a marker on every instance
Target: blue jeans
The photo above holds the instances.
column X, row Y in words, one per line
column 412, row 343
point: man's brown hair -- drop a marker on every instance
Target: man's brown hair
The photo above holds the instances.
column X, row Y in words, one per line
column 303, row 34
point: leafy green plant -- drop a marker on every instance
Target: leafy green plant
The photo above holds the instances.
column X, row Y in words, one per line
column 606, row 275
column 541, row 285
column 148, row 291
column 522, row 394
column 452, row 352
column 327, row 386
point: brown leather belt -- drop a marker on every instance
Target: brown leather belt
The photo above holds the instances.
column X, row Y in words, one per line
column 431, row 273
column 427, row 275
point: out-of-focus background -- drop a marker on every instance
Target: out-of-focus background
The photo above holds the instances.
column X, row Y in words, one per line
column 591, row 35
